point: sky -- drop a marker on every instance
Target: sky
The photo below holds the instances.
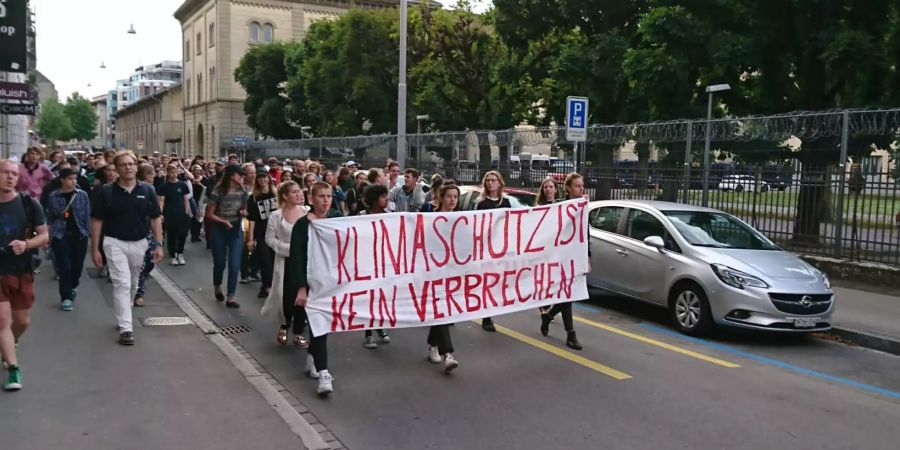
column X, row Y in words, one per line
column 75, row 36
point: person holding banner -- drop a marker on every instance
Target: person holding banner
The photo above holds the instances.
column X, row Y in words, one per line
column 491, row 198
column 297, row 285
column 440, row 346
column 279, row 306
column 574, row 190
column 377, row 201
column 546, row 196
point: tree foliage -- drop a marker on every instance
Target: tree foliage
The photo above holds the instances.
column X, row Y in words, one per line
column 263, row 74
column 53, row 124
column 82, row 118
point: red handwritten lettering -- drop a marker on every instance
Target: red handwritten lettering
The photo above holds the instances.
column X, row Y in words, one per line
column 420, row 302
column 387, row 251
column 453, row 240
column 505, row 287
column 490, row 280
column 337, row 313
column 419, row 244
column 453, row 284
column 342, row 256
column 435, row 299
column 519, row 214
column 437, row 232
column 352, row 312
column 472, row 283
column 356, row 274
column 534, row 232
column 504, row 235
column 518, row 290
column 384, row 310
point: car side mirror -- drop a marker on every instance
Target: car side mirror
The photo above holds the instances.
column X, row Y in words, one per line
column 655, row 242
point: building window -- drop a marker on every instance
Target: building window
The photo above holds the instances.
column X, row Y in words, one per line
column 268, row 32
column 254, row 32
column 199, row 43
column 212, row 85
column 187, row 50
column 212, row 35
column 199, row 88
column 187, row 91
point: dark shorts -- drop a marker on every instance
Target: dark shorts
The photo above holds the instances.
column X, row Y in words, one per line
column 18, row 290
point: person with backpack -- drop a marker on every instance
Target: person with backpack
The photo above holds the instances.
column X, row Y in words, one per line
column 22, row 230
column 69, row 216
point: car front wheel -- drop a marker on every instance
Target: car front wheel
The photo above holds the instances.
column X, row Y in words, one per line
column 689, row 309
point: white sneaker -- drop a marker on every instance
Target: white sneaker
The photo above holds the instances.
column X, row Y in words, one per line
column 181, row 259
column 325, row 386
column 450, row 363
column 311, row 367
column 433, row 355
column 174, row 261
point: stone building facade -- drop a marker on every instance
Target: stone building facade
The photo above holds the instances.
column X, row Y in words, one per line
column 215, row 35
column 153, row 123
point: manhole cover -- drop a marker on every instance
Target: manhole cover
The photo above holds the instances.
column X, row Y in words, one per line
column 233, row 330
column 166, row 321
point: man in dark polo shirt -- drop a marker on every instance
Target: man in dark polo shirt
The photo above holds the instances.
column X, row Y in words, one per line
column 124, row 213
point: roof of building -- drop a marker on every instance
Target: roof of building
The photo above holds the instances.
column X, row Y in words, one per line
column 144, row 100
column 190, row 6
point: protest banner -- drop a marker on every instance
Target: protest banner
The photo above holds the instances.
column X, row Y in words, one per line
column 412, row 269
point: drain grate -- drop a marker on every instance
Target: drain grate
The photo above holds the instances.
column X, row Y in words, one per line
column 166, row 321
column 233, row 330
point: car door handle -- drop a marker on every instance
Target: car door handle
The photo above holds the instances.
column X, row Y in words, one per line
column 621, row 252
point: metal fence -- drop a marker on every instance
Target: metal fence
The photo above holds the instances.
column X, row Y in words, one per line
column 814, row 182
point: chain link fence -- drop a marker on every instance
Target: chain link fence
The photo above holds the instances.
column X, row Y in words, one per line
column 821, row 182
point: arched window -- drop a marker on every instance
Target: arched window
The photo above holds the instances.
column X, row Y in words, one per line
column 187, row 92
column 268, row 32
column 254, row 32
column 212, row 35
column 199, row 88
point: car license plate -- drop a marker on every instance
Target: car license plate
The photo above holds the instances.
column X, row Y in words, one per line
column 805, row 322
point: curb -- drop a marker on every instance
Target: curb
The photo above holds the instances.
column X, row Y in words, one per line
column 867, row 339
column 275, row 395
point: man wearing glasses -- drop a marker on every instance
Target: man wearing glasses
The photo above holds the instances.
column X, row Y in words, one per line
column 124, row 212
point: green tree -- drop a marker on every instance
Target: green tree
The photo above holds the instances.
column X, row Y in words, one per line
column 263, row 74
column 82, row 118
column 778, row 56
column 467, row 79
column 349, row 74
column 53, row 124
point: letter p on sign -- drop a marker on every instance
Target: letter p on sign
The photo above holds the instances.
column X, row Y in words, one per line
column 576, row 119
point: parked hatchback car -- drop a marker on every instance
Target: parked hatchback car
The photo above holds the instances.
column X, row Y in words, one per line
column 706, row 267
column 742, row 183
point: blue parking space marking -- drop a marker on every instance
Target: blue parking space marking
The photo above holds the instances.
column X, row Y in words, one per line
column 774, row 362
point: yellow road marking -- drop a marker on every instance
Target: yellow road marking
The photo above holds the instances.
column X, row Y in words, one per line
column 661, row 344
column 590, row 364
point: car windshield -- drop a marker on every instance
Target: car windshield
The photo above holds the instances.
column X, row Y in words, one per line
column 719, row 230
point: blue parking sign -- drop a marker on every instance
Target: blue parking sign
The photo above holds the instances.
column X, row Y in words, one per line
column 576, row 118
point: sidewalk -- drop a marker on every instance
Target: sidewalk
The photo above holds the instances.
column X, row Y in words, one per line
column 173, row 389
column 867, row 318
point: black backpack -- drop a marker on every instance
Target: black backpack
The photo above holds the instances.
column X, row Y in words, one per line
column 28, row 204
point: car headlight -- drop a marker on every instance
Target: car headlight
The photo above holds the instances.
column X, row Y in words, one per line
column 736, row 278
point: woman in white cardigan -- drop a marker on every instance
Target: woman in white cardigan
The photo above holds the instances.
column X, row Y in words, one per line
column 278, row 237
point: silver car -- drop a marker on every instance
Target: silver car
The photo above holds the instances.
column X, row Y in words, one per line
column 706, row 266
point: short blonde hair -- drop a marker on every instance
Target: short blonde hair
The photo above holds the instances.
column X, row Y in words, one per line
column 124, row 154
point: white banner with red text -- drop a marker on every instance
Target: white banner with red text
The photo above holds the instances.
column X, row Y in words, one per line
column 419, row 269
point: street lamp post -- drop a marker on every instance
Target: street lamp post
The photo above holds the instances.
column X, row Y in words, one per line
column 711, row 90
column 401, row 89
column 419, row 119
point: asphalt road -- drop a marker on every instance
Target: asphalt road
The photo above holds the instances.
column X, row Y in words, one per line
column 636, row 384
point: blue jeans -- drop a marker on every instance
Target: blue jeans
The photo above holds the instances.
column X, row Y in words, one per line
column 146, row 268
column 227, row 245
